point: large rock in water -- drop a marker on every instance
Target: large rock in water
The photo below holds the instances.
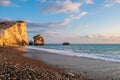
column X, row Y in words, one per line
column 39, row 40
column 13, row 33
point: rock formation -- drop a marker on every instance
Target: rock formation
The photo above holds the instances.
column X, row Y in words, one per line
column 13, row 33
column 66, row 43
column 39, row 40
column 31, row 42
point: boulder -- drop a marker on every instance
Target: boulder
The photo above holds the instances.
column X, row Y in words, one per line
column 13, row 33
column 39, row 40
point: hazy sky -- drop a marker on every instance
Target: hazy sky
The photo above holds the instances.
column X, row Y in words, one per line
column 75, row 21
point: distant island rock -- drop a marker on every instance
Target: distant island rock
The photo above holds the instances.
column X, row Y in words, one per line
column 13, row 33
column 39, row 40
column 66, row 43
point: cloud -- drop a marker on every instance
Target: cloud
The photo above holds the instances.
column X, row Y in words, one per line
column 61, row 7
column 79, row 15
column 89, row 1
column 51, row 32
column 64, row 8
column 49, row 25
column 110, row 3
column 8, row 3
column 99, row 38
column 23, row 0
column 43, row 1
column 41, row 24
column 5, row 19
column 56, row 37
column 118, row 1
column 67, row 7
column 5, row 2
column 63, row 23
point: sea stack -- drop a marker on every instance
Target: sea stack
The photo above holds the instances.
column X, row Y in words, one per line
column 13, row 33
column 39, row 40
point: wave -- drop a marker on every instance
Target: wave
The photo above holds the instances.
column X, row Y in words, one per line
column 105, row 57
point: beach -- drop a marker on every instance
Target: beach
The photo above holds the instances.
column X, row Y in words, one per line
column 15, row 66
column 59, row 39
column 19, row 63
column 90, row 68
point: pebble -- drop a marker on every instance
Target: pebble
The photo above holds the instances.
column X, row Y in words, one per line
column 11, row 70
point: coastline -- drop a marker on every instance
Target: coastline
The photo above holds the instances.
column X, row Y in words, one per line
column 16, row 66
column 87, row 67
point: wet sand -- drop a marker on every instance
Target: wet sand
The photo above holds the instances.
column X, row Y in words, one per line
column 15, row 66
column 90, row 68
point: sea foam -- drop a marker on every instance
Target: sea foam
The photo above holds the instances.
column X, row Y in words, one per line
column 105, row 57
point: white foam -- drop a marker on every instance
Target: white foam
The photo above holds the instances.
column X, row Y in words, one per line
column 113, row 58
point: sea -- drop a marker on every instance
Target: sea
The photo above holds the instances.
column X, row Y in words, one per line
column 106, row 52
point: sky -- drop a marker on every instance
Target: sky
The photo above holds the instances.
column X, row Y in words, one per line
column 74, row 21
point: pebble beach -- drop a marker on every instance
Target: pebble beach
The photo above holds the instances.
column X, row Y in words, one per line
column 14, row 66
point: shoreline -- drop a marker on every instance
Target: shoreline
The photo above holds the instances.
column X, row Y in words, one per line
column 87, row 67
column 103, row 57
column 16, row 66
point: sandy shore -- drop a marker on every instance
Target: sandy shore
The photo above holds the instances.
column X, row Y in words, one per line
column 89, row 68
column 14, row 66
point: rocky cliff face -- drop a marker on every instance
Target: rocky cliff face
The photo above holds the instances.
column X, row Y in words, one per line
column 39, row 40
column 13, row 33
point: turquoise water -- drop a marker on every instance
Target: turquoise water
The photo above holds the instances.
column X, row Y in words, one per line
column 107, row 52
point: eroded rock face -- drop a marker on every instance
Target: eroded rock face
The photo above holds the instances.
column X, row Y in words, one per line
column 39, row 40
column 13, row 33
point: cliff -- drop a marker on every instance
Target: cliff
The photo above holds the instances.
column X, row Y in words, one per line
column 13, row 33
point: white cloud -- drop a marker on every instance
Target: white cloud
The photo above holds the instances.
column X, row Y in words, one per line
column 72, row 16
column 48, row 25
column 55, row 37
column 5, row 19
column 89, row 1
column 100, row 38
column 110, row 3
column 5, row 2
column 61, row 7
column 51, row 32
column 23, row 0
column 63, row 23
column 9, row 3
column 43, row 1
column 79, row 15
column 72, row 9
column 118, row 1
